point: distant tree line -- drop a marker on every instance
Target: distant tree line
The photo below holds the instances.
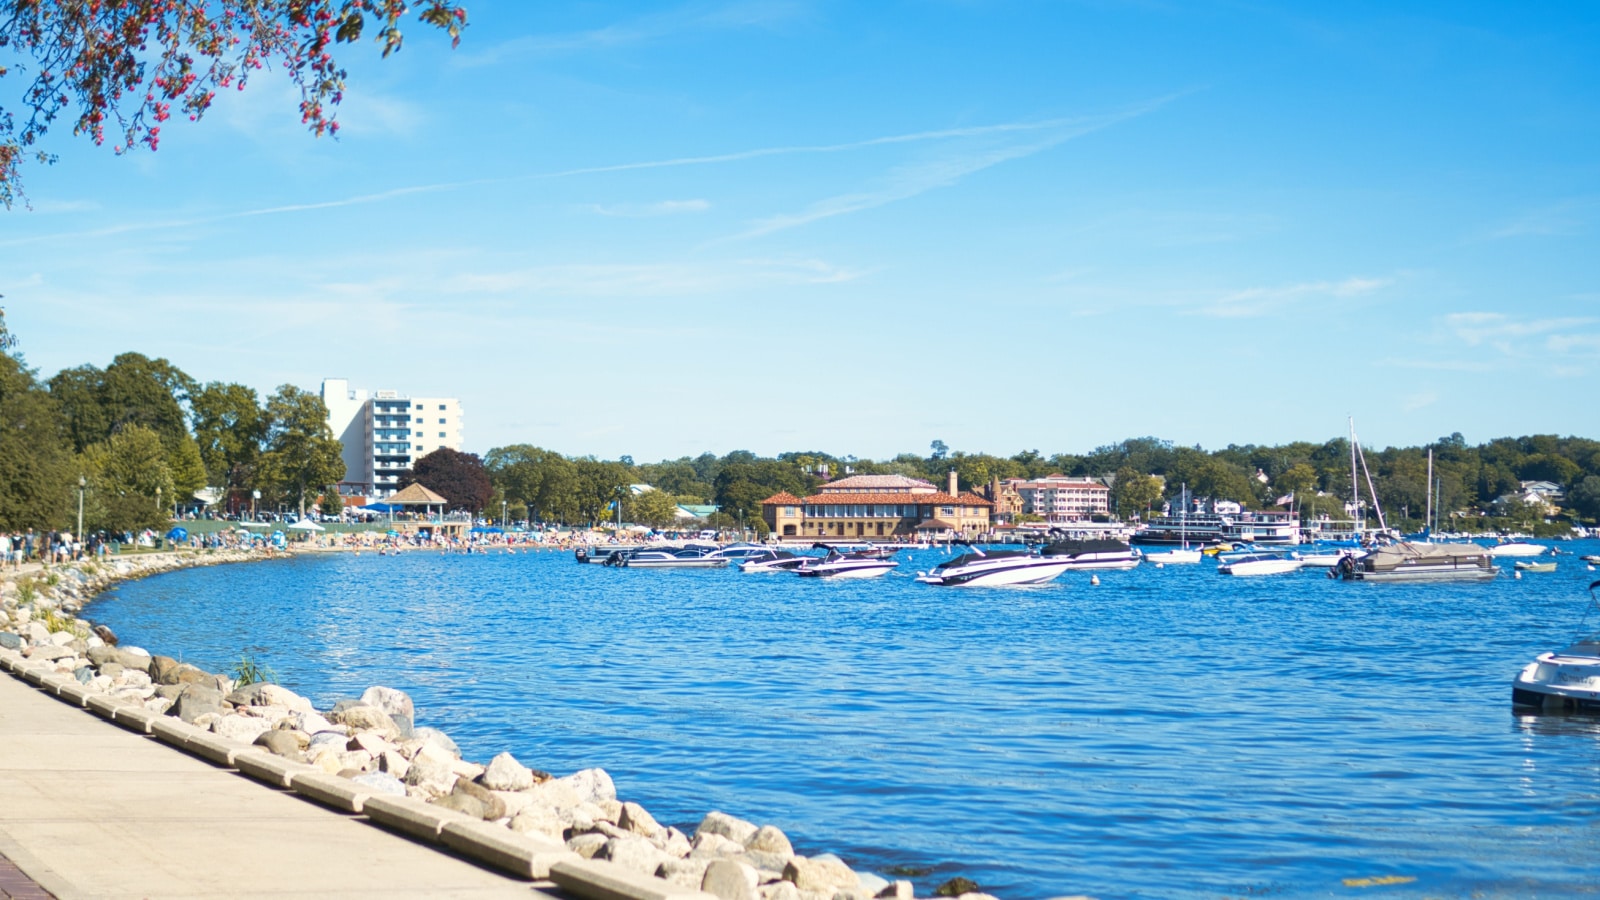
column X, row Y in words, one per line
column 143, row 436
column 1145, row 473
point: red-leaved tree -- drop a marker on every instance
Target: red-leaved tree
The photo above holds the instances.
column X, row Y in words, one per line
column 459, row 478
column 123, row 67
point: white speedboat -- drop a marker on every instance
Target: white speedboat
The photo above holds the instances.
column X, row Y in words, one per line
column 667, row 558
column 1092, row 554
column 995, row 568
column 1260, row 564
column 1322, row 559
column 739, row 552
column 1567, row 680
column 865, row 564
column 1517, row 548
column 1406, row 561
column 775, row 561
column 1170, row 557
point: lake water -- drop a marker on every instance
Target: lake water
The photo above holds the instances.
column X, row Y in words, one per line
column 1168, row 733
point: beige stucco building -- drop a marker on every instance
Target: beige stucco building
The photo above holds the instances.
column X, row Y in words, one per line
column 872, row 507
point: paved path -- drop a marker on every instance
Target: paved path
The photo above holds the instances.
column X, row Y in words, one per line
column 91, row 810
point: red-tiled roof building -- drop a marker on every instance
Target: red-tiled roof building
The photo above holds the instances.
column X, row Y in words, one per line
column 872, row 507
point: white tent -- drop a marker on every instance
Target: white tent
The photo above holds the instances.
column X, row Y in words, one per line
column 306, row 525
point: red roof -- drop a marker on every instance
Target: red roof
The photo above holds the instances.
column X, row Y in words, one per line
column 895, row 497
column 782, row 498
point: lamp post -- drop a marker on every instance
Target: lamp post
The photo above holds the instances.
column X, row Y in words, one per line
column 158, row 498
column 82, row 483
column 503, row 523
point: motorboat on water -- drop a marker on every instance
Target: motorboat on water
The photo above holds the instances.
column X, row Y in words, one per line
column 1405, row 561
column 1528, row 565
column 775, row 561
column 667, row 558
column 1517, row 548
column 995, row 568
column 739, row 552
column 855, row 564
column 1092, row 554
column 1260, row 564
column 1170, row 557
column 1323, row 559
column 1563, row 681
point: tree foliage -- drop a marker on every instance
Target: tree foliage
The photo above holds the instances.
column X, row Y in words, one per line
column 119, row 69
column 657, row 509
column 302, row 456
column 229, row 429
column 37, row 477
column 458, row 477
column 130, row 486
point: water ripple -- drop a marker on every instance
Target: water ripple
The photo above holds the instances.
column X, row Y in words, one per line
column 1169, row 733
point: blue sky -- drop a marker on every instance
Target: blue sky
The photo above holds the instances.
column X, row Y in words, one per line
column 661, row 228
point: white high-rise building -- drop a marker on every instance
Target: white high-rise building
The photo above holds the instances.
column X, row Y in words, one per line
column 384, row 433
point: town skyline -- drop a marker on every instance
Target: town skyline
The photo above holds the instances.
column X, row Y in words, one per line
column 662, row 229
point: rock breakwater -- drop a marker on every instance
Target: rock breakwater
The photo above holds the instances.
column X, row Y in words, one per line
column 374, row 746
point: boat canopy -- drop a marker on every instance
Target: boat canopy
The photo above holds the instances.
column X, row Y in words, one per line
column 1404, row 551
column 969, row 558
column 1075, row 548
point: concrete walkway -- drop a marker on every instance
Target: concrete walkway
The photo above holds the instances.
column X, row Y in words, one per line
column 91, row 810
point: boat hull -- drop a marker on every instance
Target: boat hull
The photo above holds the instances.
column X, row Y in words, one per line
column 1037, row 572
column 1426, row 573
column 875, row 571
column 1517, row 548
column 1260, row 567
column 675, row 564
column 1174, row 557
column 1555, row 683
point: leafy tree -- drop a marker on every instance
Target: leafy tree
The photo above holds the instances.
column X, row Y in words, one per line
column 121, row 68
column 187, row 468
column 229, row 427
column 938, row 450
column 1299, row 479
column 130, row 485
column 598, row 485
column 1133, row 491
column 77, row 392
column 1584, row 497
column 331, row 504
column 459, row 478
column 37, row 478
column 657, row 509
column 742, row 485
column 302, row 455
column 544, row 481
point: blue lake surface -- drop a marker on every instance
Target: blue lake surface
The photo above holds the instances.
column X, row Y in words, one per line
column 1168, row 733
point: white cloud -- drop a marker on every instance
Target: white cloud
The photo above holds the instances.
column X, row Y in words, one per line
column 693, row 18
column 649, row 210
column 907, row 181
column 1502, row 331
column 626, row 280
column 1263, row 300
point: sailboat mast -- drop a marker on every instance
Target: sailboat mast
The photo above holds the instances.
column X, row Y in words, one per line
column 1428, row 522
column 1355, row 486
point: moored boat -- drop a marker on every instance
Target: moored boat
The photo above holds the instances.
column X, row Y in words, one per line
column 1566, row 680
column 1524, row 565
column 858, row 564
column 667, row 558
column 775, row 561
column 994, row 568
column 1517, row 548
column 1405, row 561
column 1170, row 557
column 1101, row 554
column 1260, row 564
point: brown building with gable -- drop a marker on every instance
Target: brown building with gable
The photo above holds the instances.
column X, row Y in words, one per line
column 871, row 507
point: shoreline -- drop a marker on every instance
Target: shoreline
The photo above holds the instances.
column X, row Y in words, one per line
column 369, row 754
